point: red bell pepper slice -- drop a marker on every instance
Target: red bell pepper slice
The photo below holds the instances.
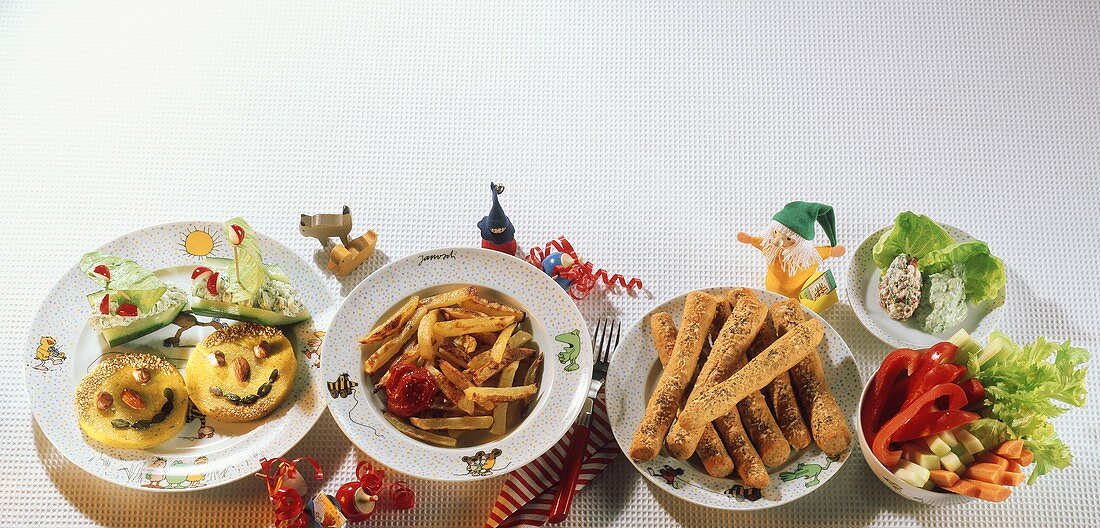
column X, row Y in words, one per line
column 893, row 370
column 975, row 392
column 943, row 352
column 931, row 423
column 881, row 444
column 946, row 373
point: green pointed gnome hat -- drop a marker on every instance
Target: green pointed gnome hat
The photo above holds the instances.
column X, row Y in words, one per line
column 800, row 217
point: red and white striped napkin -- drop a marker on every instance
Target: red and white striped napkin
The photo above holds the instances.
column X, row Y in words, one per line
column 526, row 495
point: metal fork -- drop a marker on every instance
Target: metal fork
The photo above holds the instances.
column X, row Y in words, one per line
column 604, row 341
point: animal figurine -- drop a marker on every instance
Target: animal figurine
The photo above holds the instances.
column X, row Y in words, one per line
column 325, row 226
column 497, row 231
column 788, row 248
column 346, row 256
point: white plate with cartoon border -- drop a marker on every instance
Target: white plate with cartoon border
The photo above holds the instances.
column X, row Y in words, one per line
column 559, row 331
column 862, row 287
column 61, row 349
column 634, row 372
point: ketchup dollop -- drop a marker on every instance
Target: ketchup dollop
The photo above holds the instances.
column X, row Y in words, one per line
column 409, row 390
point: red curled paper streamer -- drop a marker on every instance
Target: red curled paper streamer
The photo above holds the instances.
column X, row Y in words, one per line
column 369, row 478
column 584, row 275
column 289, row 509
column 402, row 496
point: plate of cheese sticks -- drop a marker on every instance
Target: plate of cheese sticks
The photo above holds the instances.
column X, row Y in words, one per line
column 734, row 398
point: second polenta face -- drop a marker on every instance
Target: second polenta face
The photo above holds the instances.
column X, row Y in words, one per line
column 241, row 373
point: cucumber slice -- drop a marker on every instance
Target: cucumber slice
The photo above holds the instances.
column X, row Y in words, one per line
column 146, row 325
column 918, row 471
column 921, row 455
column 937, row 445
column 220, row 264
column 951, row 462
column 949, row 438
column 969, row 441
column 245, row 313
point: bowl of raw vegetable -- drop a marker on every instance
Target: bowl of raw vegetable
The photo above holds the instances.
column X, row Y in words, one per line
column 961, row 421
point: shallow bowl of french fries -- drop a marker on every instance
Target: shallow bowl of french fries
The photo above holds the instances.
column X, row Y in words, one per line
column 734, row 398
column 456, row 364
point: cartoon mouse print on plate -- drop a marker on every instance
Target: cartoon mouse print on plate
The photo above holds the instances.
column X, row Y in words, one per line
column 481, row 464
column 669, row 473
column 313, row 348
column 47, row 352
column 572, row 351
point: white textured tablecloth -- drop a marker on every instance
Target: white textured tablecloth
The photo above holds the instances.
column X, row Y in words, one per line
column 648, row 132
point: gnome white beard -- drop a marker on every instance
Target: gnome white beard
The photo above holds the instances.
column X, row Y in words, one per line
column 794, row 259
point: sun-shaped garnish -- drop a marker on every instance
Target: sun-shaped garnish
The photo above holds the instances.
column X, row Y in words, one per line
column 198, row 242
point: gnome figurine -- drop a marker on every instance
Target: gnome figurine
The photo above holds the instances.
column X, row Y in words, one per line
column 788, row 247
column 497, row 232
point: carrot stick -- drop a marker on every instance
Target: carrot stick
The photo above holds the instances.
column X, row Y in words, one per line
column 1010, row 449
column 943, row 478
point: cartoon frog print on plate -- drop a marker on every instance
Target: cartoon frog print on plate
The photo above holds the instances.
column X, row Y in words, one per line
column 809, row 472
column 241, row 373
column 572, row 351
column 481, row 464
column 47, row 352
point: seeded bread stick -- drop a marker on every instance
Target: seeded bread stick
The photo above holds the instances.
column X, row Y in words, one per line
column 827, row 423
column 761, row 425
column 749, row 466
column 745, row 319
column 781, row 395
column 716, row 461
column 665, row 402
column 781, row 356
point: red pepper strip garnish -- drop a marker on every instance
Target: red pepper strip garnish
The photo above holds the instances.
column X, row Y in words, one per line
column 931, row 423
column 893, row 370
column 943, row 352
column 127, row 310
column 936, row 375
column 883, row 438
column 105, row 304
column 975, row 392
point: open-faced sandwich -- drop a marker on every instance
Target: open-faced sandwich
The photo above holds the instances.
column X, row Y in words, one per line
column 132, row 302
column 929, row 278
column 244, row 288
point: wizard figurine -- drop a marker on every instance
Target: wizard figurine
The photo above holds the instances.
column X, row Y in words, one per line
column 497, row 232
column 788, row 247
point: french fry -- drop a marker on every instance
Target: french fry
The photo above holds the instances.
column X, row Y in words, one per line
column 390, row 326
column 529, row 379
column 409, row 355
column 486, row 306
column 467, row 344
column 500, row 413
column 519, row 338
column 493, row 395
column 455, row 376
column 454, row 312
column 450, row 353
column 491, row 368
column 497, row 352
column 424, row 336
column 479, row 361
column 419, row 434
column 450, row 298
column 464, row 423
column 472, row 326
column 448, row 389
column 388, row 349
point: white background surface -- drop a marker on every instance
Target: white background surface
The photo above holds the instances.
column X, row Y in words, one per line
column 648, row 132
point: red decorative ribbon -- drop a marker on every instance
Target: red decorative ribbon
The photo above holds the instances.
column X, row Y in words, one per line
column 584, row 274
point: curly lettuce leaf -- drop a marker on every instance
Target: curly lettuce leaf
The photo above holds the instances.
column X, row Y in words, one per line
column 1026, row 387
column 248, row 265
column 912, row 234
column 137, row 284
column 985, row 274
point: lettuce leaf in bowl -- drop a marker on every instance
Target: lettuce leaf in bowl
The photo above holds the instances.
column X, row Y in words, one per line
column 985, row 273
column 912, row 234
